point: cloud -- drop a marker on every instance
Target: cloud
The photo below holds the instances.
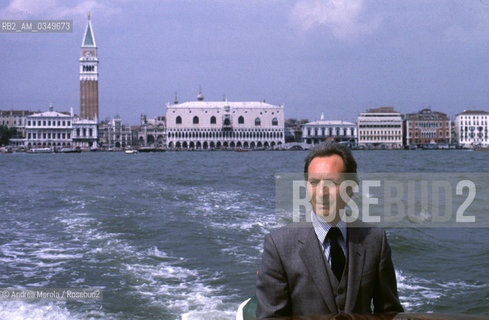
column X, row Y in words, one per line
column 53, row 9
column 342, row 17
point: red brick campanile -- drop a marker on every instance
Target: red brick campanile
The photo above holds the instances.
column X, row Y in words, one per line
column 89, row 75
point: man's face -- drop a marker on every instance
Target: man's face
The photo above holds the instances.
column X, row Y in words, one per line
column 323, row 186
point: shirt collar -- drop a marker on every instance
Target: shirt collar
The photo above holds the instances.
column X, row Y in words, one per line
column 321, row 227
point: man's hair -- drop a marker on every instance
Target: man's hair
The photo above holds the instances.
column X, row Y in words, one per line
column 329, row 149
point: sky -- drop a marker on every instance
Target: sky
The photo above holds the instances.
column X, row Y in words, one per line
column 337, row 57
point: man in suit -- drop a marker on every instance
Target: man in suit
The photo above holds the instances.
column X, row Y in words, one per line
column 326, row 266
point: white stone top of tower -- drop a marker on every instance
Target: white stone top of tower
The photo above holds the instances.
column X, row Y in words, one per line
column 88, row 38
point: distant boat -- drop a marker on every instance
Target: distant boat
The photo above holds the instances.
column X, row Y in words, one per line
column 131, row 151
column 481, row 149
column 70, row 150
column 413, row 147
column 41, row 150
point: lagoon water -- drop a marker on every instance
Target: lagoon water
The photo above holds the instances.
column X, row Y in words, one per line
column 178, row 235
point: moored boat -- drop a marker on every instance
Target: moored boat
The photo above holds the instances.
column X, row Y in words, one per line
column 41, row 150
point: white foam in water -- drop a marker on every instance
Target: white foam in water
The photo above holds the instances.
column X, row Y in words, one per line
column 178, row 289
column 415, row 292
column 154, row 275
column 35, row 257
column 18, row 310
column 160, row 279
column 209, row 315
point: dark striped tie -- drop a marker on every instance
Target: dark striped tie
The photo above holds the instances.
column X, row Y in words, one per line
column 336, row 253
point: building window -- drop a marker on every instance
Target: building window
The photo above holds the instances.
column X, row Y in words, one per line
column 240, row 120
column 178, row 120
column 213, row 120
column 196, row 120
column 274, row 122
column 91, row 132
column 257, row 122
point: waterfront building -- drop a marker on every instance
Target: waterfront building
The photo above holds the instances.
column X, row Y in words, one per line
column 114, row 134
column 59, row 129
column 427, row 127
column 471, row 128
column 49, row 129
column 380, row 128
column 84, row 133
column 152, row 132
column 224, row 124
column 339, row 131
column 89, row 75
column 15, row 119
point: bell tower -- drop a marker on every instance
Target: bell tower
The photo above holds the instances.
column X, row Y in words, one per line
column 89, row 75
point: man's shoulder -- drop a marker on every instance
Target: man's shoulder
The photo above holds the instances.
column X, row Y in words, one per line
column 361, row 231
column 291, row 232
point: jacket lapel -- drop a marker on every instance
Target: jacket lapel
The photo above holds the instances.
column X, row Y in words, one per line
column 356, row 258
column 313, row 258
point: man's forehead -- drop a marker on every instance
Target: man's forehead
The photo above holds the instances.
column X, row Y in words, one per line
column 326, row 175
column 327, row 164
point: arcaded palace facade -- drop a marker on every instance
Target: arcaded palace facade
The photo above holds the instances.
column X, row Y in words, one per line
column 224, row 125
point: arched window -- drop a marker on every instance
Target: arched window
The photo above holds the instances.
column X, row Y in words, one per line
column 227, row 122
column 240, row 120
column 257, row 122
column 178, row 120
column 274, row 122
column 213, row 120
column 196, row 120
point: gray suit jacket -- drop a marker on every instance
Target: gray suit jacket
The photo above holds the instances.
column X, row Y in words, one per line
column 293, row 279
